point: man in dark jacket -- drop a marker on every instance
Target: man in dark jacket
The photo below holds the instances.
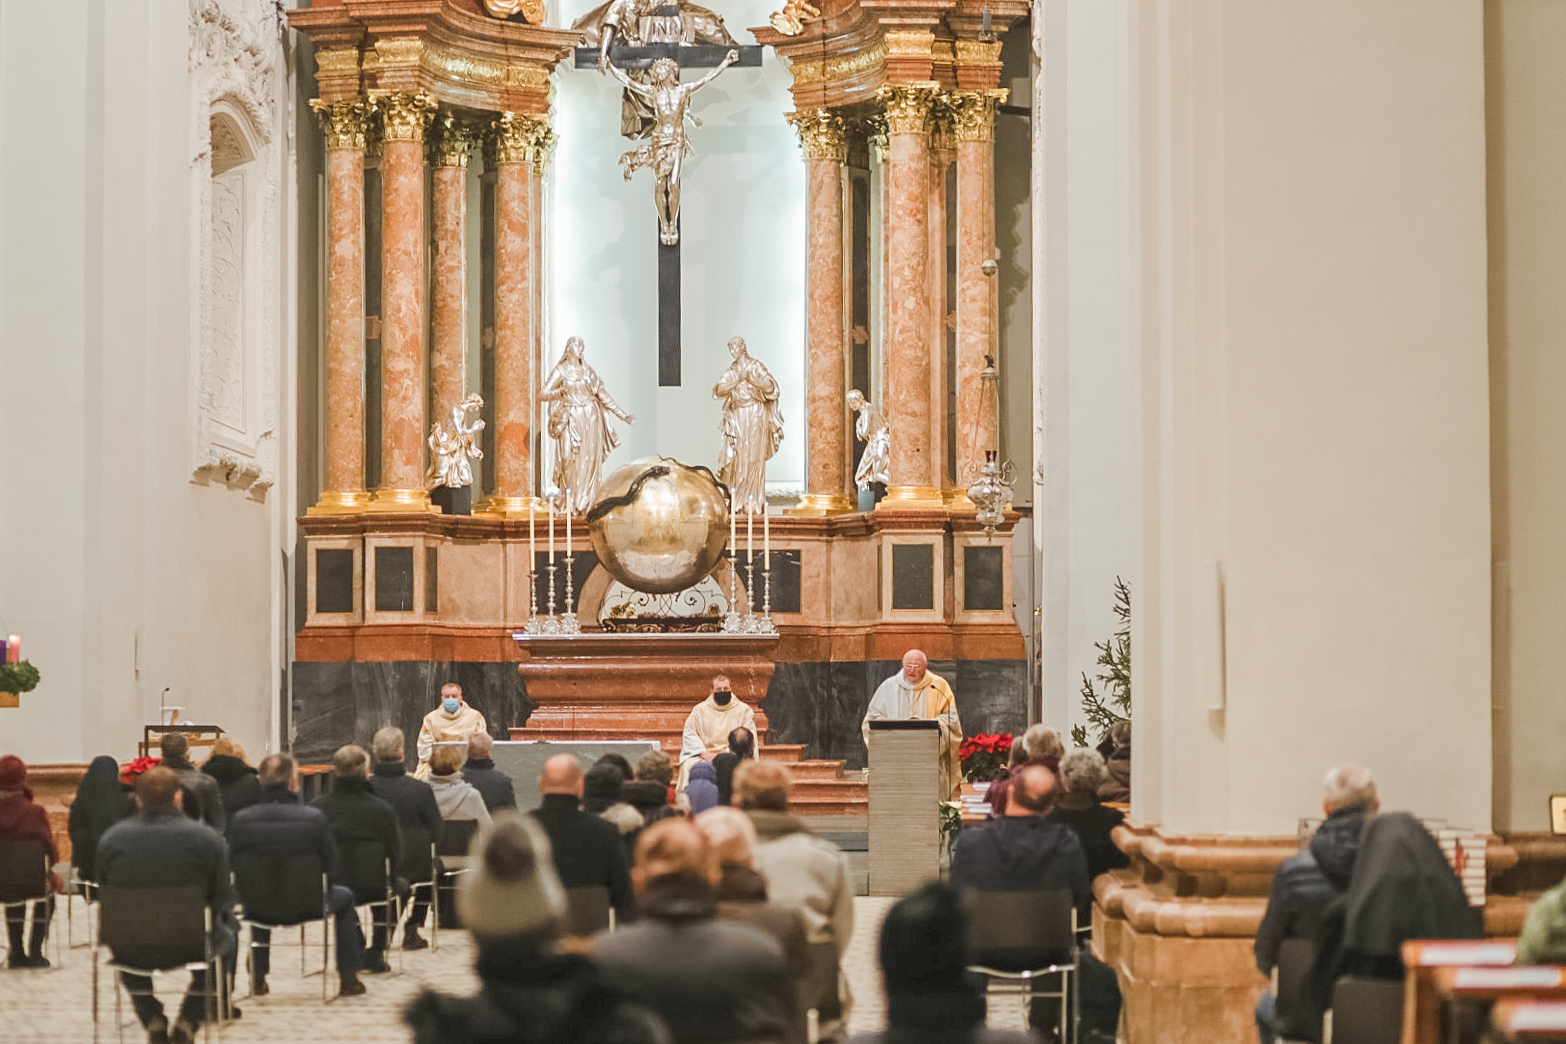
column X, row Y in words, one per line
column 711, row 980
column 202, row 799
column 161, row 848
column 357, row 816
column 493, row 785
column 1306, row 884
column 587, row 849
column 648, row 793
column 280, row 826
column 418, row 815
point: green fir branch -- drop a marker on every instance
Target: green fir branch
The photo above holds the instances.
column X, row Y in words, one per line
column 1106, row 698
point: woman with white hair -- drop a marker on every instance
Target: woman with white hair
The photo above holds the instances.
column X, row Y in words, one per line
column 1082, row 772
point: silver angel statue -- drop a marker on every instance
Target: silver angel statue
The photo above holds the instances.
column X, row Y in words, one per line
column 870, row 428
column 666, row 147
column 752, row 427
column 451, row 451
column 579, row 409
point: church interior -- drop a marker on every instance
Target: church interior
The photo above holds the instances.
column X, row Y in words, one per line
column 973, row 358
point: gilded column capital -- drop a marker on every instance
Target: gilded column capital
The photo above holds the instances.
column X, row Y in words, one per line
column 973, row 113
column 404, row 115
column 908, row 43
column 977, row 52
column 907, row 106
column 942, row 137
column 451, row 141
column 873, row 130
column 519, row 138
column 346, row 122
column 822, row 135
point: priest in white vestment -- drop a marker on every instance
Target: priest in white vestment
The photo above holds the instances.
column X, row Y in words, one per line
column 918, row 692
column 452, row 722
column 708, row 726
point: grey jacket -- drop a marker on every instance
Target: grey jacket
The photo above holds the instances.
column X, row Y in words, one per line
column 807, row 873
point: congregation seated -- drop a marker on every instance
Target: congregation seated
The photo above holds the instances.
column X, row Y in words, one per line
column 203, row 800
column 457, row 799
column 161, row 847
column 1040, row 745
column 742, row 747
column 1116, row 749
column 648, row 792
column 418, row 815
column 515, row 907
column 479, row 770
column 101, row 801
column 701, row 791
column 238, row 785
column 276, row 827
column 359, row 817
column 742, row 897
column 924, row 960
column 1090, row 819
column 23, row 819
column 1305, row 884
column 603, row 795
column 586, row 850
column 713, row 981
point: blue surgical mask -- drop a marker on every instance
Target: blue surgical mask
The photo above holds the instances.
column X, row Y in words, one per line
column 450, row 705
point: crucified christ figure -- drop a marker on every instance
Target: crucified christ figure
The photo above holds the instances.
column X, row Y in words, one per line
column 666, row 147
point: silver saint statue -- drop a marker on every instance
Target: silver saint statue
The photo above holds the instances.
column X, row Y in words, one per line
column 752, row 427
column 666, row 147
column 579, row 408
column 450, row 451
column 870, row 428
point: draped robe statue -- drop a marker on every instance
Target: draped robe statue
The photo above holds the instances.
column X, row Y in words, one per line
column 752, row 428
column 579, row 424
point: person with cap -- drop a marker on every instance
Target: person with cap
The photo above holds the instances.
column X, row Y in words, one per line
column 702, row 789
column 203, row 800
column 492, row 784
column 515, row 906
column 451, row 722
column 22, row 819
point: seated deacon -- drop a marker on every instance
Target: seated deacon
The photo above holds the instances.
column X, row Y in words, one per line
column 709, row 723
column 742, row 746
column 278, row 825
column 492, row 784
column 648, row 792
column 918, row 693
column 515, row 908
column 417, row 814
column 451, row 722
column 587, row 850
column 358, row 817
column 713, row 981
column 1039, row 745
column 22, row 819
column 160, row 847
column 1079, row 808
column 1306, row 883
column 203, row 800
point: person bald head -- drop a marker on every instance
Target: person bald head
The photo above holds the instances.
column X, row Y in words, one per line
column 562, row 775
column 481, row 745
column 915, row 663
column 672, row 847
column 1033, row 791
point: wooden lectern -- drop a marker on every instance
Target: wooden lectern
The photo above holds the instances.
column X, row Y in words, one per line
column 905, row 798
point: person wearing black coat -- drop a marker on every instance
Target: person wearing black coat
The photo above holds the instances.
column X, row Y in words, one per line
column 238, row 784
column 493, row 785
column 586, row 848
column 1081, row 772
column 101, row 802
column 202, row 799
column 419, row 816
column 357, row 815
column 279, row 826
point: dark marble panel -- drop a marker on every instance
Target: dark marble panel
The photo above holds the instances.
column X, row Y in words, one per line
column 785, row 581
column 992, row 695
column 913, row 576
column 582, row 566
column 432, row 579
column 453, row 501
column 333, row 580
column 983, row 584
column 394, row 579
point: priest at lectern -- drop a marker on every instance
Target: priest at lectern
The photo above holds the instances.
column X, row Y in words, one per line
column 918, row 692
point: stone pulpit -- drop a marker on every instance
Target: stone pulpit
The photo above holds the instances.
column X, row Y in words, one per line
column 905, row 798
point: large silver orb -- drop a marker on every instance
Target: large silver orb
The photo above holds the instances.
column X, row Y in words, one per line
column 659, row 526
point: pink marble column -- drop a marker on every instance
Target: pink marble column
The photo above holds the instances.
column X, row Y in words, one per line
column 974, row 124
column 907, row 360
column 821, row 137
column 941, row 154
column 449, row 300
column 403, row 119
column 345, row 124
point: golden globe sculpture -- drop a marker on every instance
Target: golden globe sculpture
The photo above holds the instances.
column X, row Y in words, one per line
column 659, row 525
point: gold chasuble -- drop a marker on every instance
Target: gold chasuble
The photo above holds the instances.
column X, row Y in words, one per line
column 931, row 698
column 440, row 727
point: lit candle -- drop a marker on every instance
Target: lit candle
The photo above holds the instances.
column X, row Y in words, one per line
column 766, row 538
column 551, row 530
column 13, row 649
column 733, row 528
column 750, row 534
column 532, row 558
column 568, row 523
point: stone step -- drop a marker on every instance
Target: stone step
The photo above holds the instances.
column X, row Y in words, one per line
column 667, row 739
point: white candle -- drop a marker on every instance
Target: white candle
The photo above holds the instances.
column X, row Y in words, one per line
column 750, row 536
column 13, row 649
column 532, row 558
column 568, row 523
column 733, row 528
column 766, row 538
column 551, row 530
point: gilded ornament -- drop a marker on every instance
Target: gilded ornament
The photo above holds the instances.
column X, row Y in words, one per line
column 907, row 106
column 399, row 50
column 977, row 52
column 909, row 43
column 404, row 116
column 822, row 135
column 941, row 137
column 875, row 131
column 346, row 122
column 791, row 20
column 973, row 113
column 452, row 141
column 341, row 61
column 483, row 73
column 843, row 67
column 519, row 138
column 532, row 10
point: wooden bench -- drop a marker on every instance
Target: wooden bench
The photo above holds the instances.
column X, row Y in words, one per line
column 1523, row 1021
column 1465, row 995
column 1421, row 959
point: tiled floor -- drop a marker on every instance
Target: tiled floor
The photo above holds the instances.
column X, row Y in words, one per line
column 54, row 1006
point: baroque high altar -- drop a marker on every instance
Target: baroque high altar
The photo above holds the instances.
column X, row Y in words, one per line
column 433, row 96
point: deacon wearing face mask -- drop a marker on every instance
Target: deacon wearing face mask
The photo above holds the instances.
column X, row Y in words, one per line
column 452, row 722
column 710, row 722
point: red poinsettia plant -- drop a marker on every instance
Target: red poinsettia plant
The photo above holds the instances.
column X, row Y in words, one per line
column 984, row 756
column 132, row 772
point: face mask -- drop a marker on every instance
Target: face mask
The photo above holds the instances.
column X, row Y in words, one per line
column 450, row 705
column 722, row 696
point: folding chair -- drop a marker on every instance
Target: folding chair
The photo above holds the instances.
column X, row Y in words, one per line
column 281, row 891
column 366, row 870
column 456, row 837
column 24, row 881
column 166, row 929
column 1364, row 1011
column 1017, row 937
column 1290, row 978
column 88, row 890
column 588, row 911
column 418, row 868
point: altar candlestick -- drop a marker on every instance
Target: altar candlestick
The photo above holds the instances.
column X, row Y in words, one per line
column 13, row 649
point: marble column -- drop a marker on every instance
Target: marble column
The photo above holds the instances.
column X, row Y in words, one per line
column 907, row 360
column 520, row 145
column 822, row 138
column 448, row 155
column 973, row 121
column 942, row 153
column 343, row 492
column 403, row 119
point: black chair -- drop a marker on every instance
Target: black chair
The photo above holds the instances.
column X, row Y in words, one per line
column 279, row 890
column 451, row 859
column 24, row 878
column 825, row 997
column 1364, row 1011
column 418, row 866
column 588, row 911
column 1017, row 937
column 163, row 929
column 78, row 885
column 364, row 867
column 1292, row 1015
